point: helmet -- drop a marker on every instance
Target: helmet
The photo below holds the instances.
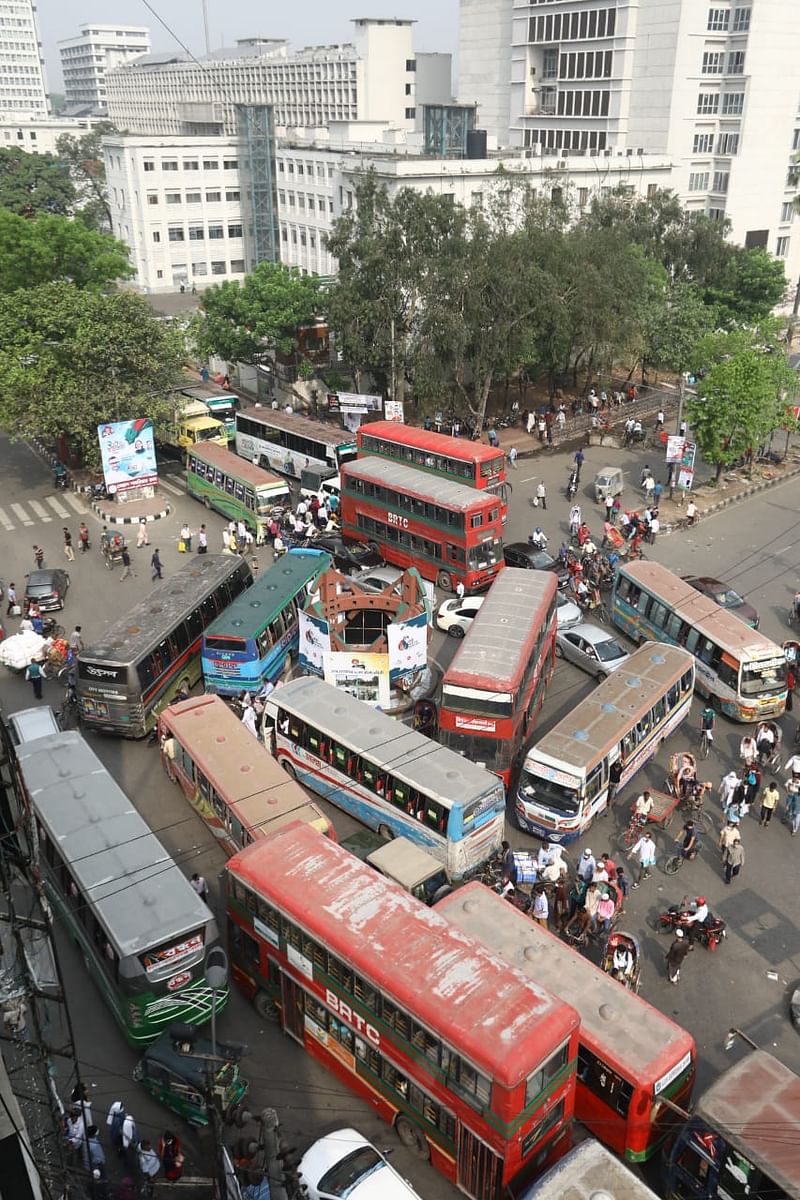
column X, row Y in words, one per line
column 538, row 529
column 678, row 933
column 701, row 900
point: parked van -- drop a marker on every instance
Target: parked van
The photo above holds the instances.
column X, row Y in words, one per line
column 31, row 723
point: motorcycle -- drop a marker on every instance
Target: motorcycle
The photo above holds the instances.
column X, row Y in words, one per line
column 60, row 480
column 572, row 486
column 538, row 540
column 97, row 491
column 710, row 933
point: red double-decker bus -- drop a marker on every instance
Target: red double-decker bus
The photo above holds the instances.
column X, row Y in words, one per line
column 448, row 531
column 472, row 1063
column 494, row 687
column 463, row 461
column 631, row 1058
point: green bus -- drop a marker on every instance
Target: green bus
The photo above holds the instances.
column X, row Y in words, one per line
column 141, row 928
column 221, row 405
column 234, row 487
column 126, row 678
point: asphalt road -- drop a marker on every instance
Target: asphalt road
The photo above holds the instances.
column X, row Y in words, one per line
column 752, row 546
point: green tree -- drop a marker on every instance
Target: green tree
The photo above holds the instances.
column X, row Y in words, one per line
column 747, row 288
column 71, row 359
column 31, row 184
column 33, row 252
column 88, row 171
column 674, row 325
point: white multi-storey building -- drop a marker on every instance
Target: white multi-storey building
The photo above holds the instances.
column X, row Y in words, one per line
column 713, row 85
column 371, row 78
column 38, row 135
column 177, row 204
column 23, row 86
column 86, row 59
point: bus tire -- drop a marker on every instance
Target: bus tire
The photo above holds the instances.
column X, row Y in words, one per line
column 289, row 768
column 265, row 1006
column 386, row 832
column 413, row 1138
column 444, row 580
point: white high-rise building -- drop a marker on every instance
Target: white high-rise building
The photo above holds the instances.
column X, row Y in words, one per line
column 714, row 85
column 23, row 86
column 86, row 59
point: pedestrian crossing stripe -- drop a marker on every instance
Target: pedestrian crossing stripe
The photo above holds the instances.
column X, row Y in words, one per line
column 57, row 507
column 170, row 487
column 40, row 510
column 20, row 514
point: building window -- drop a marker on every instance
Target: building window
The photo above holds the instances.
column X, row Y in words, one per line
column 736, row 62
column 303, row 239
column 796, row 140
column 787, row 211
column 703, row 143
column 159, row 274
column 232, row 196
column 199, row 268
column 280, row 166
column 177, row 235
column 716, row 214
column 193, row 198
column 707, row 104
column 411, row 64
column 191, row 164
column 408, row 89
column 284, row 234
column 196, row 233
column 237, row 266
column 718, row 19
column 294, row 237
column 698, row 181
column 152, row 198
column 210, row 164
column 721, row 181
column 733, row 104
column 218, row 268
column 169, row 164
column 213, row 197
column 156, row 236
column 728, row 143
column 741, row 20
column 712, row 63
column 216, row 231
column 230, row 164
column 234, row 231
column 149, row 164
column 173, row 197
column 411, row 114
column 782, row 247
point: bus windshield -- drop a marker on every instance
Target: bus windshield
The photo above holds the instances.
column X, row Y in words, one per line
column 485, row 555
column 560, row 797
column 763, row 678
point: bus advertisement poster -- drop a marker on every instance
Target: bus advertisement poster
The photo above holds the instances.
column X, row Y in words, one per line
column 408, row 647
column 365, row 676
column 128, row 454
column 315, row 643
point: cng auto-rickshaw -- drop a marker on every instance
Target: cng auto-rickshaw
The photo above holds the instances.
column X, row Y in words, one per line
column 180, row 1070
column 608, row 482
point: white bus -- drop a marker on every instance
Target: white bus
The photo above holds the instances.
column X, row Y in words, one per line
column 389, row 777
column 738, row 669
column 564, row 780
column 280, row 441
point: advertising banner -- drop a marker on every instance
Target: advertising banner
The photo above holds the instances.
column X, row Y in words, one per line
column 353, row 402
column 365, row 676
column 128, row 455
column 393, row 411
column 315, row 643
column 408, row 647
column 674, row 448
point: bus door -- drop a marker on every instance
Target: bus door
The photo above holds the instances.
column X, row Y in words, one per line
column 480, row 1171
column 693, row 1164
column 292, row 1008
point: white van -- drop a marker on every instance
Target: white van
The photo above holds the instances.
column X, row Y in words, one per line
column 31, row 723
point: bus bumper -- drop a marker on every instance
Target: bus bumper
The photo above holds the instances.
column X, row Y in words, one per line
column 542, row 828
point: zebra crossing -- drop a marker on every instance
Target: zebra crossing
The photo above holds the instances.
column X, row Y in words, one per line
column 40, row 512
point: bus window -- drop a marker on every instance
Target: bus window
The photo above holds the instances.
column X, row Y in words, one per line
column 264, row 643
column 250, row 500
column 643, row 603
column 659, row 711
column 193, row 465
column 296, row 730
column 456, row 554
column 594, row 782
column 183, row 761
column 229, row 485
column 691, row 640
column 673, row 696
column 705, row 650
column 203, row 786
column 476, row 520
column 434, row 816
column 219, row 478
column 276, row 630
column 218, row 805
column 658, row 614
column 238, row 491
column 339, row 756
column 673, row 626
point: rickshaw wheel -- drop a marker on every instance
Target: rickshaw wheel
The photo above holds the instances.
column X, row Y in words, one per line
column 412, row 1138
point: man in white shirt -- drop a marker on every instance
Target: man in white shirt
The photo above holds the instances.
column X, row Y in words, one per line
column 643, row 806
column 645, row 854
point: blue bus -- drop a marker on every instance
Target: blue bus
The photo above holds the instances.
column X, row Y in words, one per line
column 247, row 645
column 388, row 776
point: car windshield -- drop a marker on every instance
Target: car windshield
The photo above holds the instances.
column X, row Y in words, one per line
column 609, row 650
column 728, row 598
column 40, row 589
column 542, row 561
column 555, row 797
column 349, row 1172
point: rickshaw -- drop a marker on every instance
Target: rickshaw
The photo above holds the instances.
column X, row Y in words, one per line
column 608, row 482
column 772, row 759
column 112, row 546
column 622, row 959
column 579, row 936
column 176, row 1070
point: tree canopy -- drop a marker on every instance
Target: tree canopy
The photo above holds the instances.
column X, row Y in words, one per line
column 33, row 252
column 238, row 321
column 87, row 167
column 73, row 358
column 31, row 184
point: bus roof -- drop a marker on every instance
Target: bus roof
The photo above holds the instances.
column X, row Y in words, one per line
column 412, row 757
column 446, row 980
column 242, row 771
column 755, row 1105
column 302, row 426
column 232, row 464
column 270, row 592
column 589, row 1171
column 723, row 626
column 630, row 1029
column 458, row 496
column 143, row 626
column 502, row 637
column 591, row 726
column 463, row 449
column 209, row 395
column 140, row 895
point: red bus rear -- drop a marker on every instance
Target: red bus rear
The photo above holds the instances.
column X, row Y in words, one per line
column 448, row 531
column 473, row 1063
column 494, row 687
column 459, row 459
column 630, row 1056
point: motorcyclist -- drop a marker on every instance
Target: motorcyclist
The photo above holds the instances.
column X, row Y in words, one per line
column 538, row 539
column 695, row 917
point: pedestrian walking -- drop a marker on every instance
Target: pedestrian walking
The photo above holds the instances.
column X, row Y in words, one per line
column 141, row 537
column 691, row 513
column 733, row 859
column 92, row 1153
column 75, row 639
column 793, row 806
column 38, row 556
column 250, row 721
column 11, row 597
column 728, row 835
column 587, row 866
column 676, row 954
column 126, row 564
column 727, row 786
column 168, row 755
column 460, row 590
column 609, row 503
column 512, row 458
column 644, row 474
column 34, row 674
column 541, row 494
column 657, row 490
column 155, row 564
column 580, row 458
column 130, row 1141
column 769, row 800
column 622, row 885
column 149, row 1166
column 83, row 537
column 170, row 1152
column 185, row 539
column 659, row 420
column 645, row 854
column 575, row 520
column 541, row 908
column 114, row 1121
column 202, row 540
column 652, row 530
column 68, row 550
column 80, row 1097
column 200, row 886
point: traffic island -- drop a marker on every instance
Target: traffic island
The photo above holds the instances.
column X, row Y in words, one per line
column 132, row 511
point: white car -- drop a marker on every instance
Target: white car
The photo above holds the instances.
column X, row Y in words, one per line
column 591, row 648
column 345, row 1166
column 568, row 612
column 375, row 579
column 456, row 616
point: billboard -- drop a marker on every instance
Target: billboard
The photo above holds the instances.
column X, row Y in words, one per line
column 365, row 676
column 315, row 643
column 128, row 454
column 408, row 647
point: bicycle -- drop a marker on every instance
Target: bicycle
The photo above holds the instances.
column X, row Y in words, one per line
column 706, row 742
column 630, row 836
column 694, row 809
column 674, row 862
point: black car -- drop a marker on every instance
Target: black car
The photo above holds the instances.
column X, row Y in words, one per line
column 520, row 554
column 347, row 556
column 48, row 588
